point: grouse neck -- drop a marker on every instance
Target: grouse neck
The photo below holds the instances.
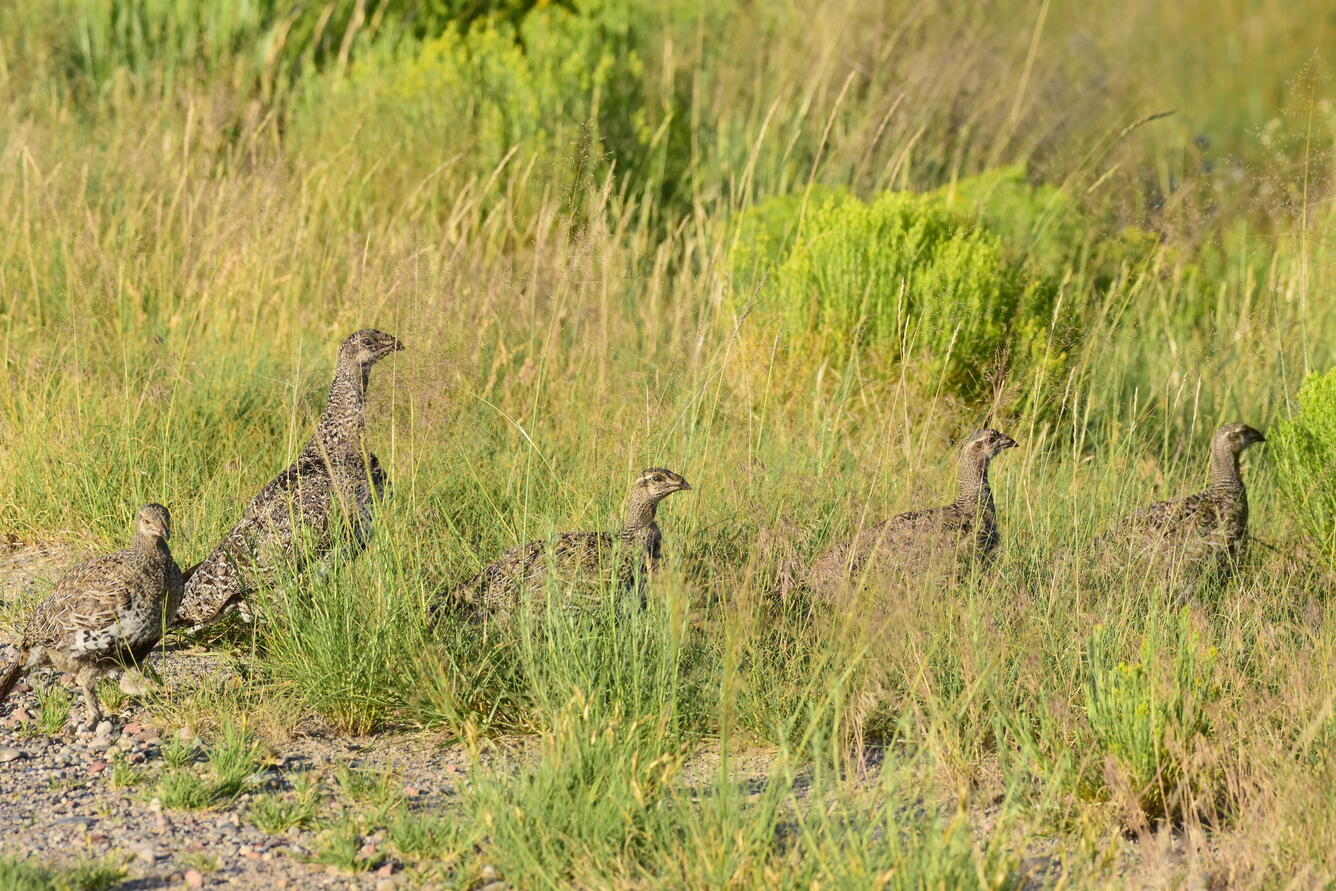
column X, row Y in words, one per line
column 974, row 488
column 147, row 543
column 344, row 418
column 1225, row 476
column 640, row 525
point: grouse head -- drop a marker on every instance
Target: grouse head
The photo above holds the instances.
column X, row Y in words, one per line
column 368, row 346
column 155, row 521
column 657, row 483
column 985, row 444
column 1237, row 437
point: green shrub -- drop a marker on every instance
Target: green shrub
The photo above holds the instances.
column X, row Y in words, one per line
column 564, row 93
column 1303, row 453
column 912, row 278
column 960, row 281
column 1148, row 717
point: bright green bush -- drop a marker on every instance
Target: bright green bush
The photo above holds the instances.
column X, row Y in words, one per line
column 563, row 96
column 1302, row 449
column 1148, row 716
column 907, row 275
column 960, row 281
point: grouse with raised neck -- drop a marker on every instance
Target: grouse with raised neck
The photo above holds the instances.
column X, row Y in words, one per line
column 295, row 520
column 964, row 530
column 104, row 614
column 1206, row 530
column 624, row 557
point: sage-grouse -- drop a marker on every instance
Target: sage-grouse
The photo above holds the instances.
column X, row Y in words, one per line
column 1206, row 531
column 587, row 559
column 296, row 519
column 104, row 613
column 963, row 531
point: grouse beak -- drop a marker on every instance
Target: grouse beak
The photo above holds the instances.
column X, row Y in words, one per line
column 684, row 486
column 1009, row 443
column 398, row 346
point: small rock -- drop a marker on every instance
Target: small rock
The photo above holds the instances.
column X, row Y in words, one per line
column 98, row 838
column 133, row 728
column 103, row 730
column 162, row 824
column 249, row 854
column 194, row 878
column 493, row 886
column 385, row 870
column 384, row 885
column 7, row 755
column 489, row 873
column 185, row 734
column 144, row 853
column 155, row 805
column 20, row 716
column 150, row 734
column 97, row 767
column 412, row 791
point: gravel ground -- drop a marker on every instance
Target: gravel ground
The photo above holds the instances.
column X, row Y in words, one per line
column 72, row 795
column 63, row 798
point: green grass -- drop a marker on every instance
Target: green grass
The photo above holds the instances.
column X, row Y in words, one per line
column 230, row 763
column 18, row 874
column 554, row 212
column 53, row 708
column 275, row 813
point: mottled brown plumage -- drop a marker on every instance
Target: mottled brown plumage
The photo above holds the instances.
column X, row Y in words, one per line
column 1206, row 531
column 584, row 560
column 296, row 518
column 106, row 613
column 963, row 531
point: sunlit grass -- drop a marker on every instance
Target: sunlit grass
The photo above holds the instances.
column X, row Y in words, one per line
column 557, row 243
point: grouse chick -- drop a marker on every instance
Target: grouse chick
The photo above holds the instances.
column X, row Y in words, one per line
column 104, row 613
column 964, row 530
column 1208, row 530
column 295, row 518
column 625, row 557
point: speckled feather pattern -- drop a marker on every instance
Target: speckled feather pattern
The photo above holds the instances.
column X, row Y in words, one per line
column 583, row 559
column 297, row 518
column 105, row 612
column 1206, row 530
column 960, row 532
